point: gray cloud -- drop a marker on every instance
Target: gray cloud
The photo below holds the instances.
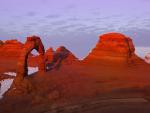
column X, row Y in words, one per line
column 70, row 7
column 73, row 19
column 33, row 24
column 53, row 16
column 144, row 0
column 59, row 22
column 108, row 17
column 31, row 14
column 140, row 36
column 44, row 1
column 72, row 26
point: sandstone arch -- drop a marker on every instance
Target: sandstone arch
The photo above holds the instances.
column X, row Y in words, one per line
column 32, row 42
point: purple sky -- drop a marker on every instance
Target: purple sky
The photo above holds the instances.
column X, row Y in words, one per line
column 75, row 23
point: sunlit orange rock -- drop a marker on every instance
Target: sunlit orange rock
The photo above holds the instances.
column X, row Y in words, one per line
column 11, row 48
column 49, row 54
column 113, row 46
column 33, row 42
column 65, row 55
column 83, row 87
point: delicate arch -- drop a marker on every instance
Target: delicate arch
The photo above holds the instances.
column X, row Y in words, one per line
column 32, row 42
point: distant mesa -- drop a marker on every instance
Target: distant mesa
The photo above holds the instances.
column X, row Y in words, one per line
column 10, row 48
column 112, row 47
column 14, row 41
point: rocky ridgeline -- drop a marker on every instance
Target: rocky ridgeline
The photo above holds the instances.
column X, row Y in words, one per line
column 59, row 57
column 65, row 54
column 73, row 82
column 110, row 47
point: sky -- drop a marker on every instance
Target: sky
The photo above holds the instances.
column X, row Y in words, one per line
column 75, row 24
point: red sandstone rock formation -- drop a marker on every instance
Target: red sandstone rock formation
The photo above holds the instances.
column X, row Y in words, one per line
column 113, row 47
column 32, row 42
column 1, row 43
column 65, row 54
column 77, row 84
column 11, row 48
column 49, row 54
column 61, row 56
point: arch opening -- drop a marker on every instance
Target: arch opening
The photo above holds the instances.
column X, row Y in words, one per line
column 32, row 43
column 32, row 62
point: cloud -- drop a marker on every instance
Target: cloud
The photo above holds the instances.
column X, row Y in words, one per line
column 70, row 6
column 73, row 19
column 53, row 16
column 96, row 13
column 71, row 27
column 33, row 24
column 144, row 0
column 44, row 1
column 31, row 14
column 140, row 36
column 59, row 22
column 142, row 51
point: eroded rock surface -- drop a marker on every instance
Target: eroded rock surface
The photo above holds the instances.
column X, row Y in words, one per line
column 82, row 88
column 32, row 42
column 50, row 54
column 64, row 54
column 113, row 47
column 61, row 56
column 11, row 48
